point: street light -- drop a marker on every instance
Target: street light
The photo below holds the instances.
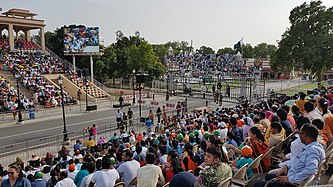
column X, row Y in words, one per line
column 17, row 77
column 63, row 109
column 133, row 86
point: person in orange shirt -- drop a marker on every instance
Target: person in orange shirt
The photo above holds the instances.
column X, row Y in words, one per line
column 324, row 134
column 300, row 103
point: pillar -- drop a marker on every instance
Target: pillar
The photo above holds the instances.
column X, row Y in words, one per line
column 11, row 36
column 91, row 69
column 42, row 39
column 27, row 35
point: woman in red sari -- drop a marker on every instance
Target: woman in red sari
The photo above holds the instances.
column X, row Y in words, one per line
column 258, row 145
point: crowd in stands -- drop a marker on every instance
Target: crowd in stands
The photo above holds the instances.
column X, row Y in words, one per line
column 205, row 148
column 211, row 64
column 31, row 66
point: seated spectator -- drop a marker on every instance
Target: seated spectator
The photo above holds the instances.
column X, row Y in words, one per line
column 184, row 179
column 217, row 170
column 64, row 181
column 150, row 175
column 303, row 166
column 245, row 159
column 172, row 167
column 276, row 137
column 38, row 182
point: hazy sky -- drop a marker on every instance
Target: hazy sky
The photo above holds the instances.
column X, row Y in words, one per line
column 214, row 23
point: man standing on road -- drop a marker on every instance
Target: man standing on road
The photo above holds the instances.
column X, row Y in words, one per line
column 203, row 91
column 119, row 118
column 121, row 100
column 130, row 116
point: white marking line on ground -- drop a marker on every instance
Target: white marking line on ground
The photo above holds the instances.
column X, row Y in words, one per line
column 74, row 124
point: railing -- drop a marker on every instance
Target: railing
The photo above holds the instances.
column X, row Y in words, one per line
column 41, row 146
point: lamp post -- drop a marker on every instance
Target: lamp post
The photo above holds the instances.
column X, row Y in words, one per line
column 63, row 109
column 133, row 85
column 17, row 77
column 86, row 85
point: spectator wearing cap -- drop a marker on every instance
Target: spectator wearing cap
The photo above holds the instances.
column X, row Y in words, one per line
column 276, row 136
column 245, row 159
column 217, row 170
column 222, row 129
column 39, row 182
column 71, row 171
column 150, row 175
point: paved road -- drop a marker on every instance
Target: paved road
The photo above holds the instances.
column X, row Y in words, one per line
column 53, row 125
column 14, row 133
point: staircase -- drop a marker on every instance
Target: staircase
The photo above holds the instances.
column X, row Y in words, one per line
column 96, row 90
column 10, row 77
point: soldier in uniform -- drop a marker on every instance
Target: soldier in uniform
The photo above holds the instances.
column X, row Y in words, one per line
column 220, row 99
column 227, row 91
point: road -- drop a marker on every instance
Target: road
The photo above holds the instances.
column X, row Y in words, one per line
column 53, row 124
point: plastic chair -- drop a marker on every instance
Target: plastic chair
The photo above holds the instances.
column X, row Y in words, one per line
column 120, row 184
column 231, row 154
column 225, row 183
column 166, row 185
column 256, row 163
column 239, row 177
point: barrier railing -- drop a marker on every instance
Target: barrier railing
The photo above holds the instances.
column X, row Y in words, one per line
column 43, row 145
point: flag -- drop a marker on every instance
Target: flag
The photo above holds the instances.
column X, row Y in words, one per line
column 238, row 45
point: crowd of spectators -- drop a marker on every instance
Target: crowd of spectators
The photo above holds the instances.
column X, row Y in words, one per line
column 208, row 64
column 31, row 66
column 193, row 149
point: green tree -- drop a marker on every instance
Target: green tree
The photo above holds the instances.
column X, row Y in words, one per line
column 206, row 50
column 308, row 41
column 264, row 50
column 226, row 50
column 248, row 51
column 161, row 51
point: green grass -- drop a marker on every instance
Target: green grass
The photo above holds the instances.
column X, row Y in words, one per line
column 302, row 88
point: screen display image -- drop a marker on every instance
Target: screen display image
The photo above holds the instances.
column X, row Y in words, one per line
column 81, row 40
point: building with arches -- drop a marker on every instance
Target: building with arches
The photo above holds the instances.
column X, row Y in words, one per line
column 16, row 20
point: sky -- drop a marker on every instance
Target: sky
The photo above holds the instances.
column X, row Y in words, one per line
column 213, row 23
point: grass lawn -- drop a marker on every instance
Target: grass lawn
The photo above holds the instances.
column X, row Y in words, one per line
column 302, row 88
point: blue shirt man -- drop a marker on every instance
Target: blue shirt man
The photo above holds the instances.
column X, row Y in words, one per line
column 304, row 165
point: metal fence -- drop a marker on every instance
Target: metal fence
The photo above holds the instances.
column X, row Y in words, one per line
column 239, row 89
column 41, row 146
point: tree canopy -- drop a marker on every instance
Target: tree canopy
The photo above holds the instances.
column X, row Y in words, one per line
column 309, row 40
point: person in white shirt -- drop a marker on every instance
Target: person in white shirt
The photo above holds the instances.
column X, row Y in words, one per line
column 128, row 170
column 150, row 175
column 65, row 181
column 119, row 118
column 86, row 180
column 107, row 177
